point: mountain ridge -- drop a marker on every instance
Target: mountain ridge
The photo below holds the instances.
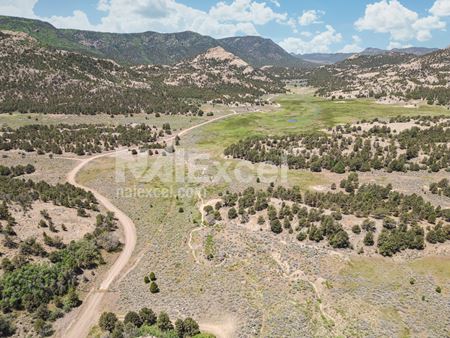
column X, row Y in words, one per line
column 261, row 52
column 150, row 47
column 35, row 78
column 332, row 58
column 393, row 76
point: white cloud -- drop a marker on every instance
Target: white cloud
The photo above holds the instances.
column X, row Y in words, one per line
column 291, row 22
column 22, row 8
column 400, row 22
column 320, row 43
column 275, row 2
column 25, row 9
column 441, row 8
column 103, row 5
column 78, row 20
column 394, row 44
column 388, row 17
column 246, row 11
column 424, row 26
column 127, row 16
column 309, row 17
column 169, row 16
column 353, row 47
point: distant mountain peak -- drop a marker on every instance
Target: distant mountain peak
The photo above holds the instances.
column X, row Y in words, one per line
column 372, row 50
column 260, row 52
column 332, row 58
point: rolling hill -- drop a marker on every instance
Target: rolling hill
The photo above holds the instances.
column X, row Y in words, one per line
column 389, row 75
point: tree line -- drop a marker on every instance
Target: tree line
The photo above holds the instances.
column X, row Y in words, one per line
column 80, row 139
column 146, row 323
column 350, row 148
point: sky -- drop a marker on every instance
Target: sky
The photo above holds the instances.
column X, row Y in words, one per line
column 300, row 26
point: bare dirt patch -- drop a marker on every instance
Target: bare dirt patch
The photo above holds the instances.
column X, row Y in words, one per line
column 27, row 222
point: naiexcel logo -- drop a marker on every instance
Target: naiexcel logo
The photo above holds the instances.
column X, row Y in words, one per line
column 189, row 167
column 137, row 191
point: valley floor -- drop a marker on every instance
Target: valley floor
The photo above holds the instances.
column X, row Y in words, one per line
column 260, row 285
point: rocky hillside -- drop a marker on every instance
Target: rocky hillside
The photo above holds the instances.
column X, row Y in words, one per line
column 39, row 79
column 215, row 72
column 392, row 75
column 150, row 47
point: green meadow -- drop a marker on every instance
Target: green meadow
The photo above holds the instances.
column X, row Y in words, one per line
column 304, row 113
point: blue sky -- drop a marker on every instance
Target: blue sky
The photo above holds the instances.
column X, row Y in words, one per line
column 300, row 26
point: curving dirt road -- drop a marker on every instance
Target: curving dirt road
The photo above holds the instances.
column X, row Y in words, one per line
column 90, row 309
column 89, row 312
column 187, row 130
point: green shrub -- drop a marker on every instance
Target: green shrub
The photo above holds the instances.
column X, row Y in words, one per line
column 6, row 327
column 148, row 316
column 163, row 322
column 133, row 318
column 154, row 287
column 107, row 321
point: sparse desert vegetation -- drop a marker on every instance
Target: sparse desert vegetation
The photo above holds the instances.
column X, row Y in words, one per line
column 43, row 259
column 227, row 256
column 420, row 144
column 393, row 221
column 213, row 195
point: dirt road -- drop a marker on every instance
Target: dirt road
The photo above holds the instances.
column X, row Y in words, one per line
column 187, row 130
column 90, row 310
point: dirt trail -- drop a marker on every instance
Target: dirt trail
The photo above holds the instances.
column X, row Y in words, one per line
column 89, row 311
column 200, row 227
column 300, row 275
column 187, row 130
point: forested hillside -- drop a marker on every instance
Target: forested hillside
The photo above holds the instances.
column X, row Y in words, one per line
column 394, row 222
column 331, row 58
column 420, row 145
column 260, row 52
column 39, row 79
column 150, row 47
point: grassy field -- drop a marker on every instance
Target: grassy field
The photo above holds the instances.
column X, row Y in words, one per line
column 305, row 113
column 299, row 112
